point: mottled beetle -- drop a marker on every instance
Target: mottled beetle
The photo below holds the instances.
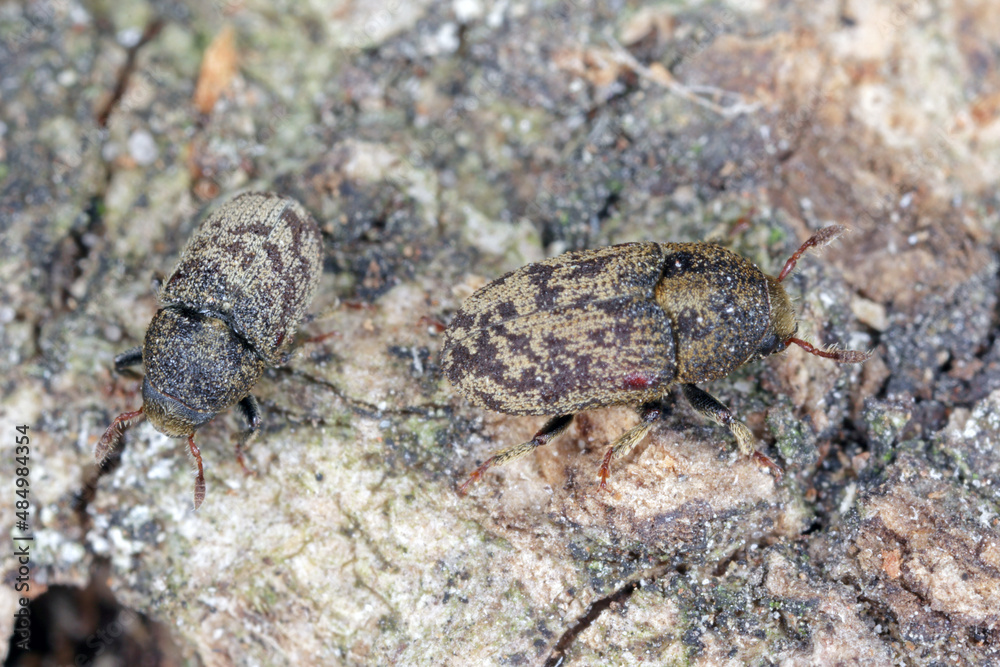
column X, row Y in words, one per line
column 620, row 326
column 228, row 310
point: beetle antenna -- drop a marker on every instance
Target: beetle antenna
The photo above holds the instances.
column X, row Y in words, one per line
column 840, row 356
column 109, row 441
column 817, row 240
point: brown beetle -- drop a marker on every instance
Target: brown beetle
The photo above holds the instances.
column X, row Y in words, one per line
column 227, row 311
column 620, row 326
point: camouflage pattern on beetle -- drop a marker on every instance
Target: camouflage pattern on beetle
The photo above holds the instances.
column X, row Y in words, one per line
column 228, row 310
column 620, row 326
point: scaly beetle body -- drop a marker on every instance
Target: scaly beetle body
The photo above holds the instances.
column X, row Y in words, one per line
column 620, row 326
column 228, row 310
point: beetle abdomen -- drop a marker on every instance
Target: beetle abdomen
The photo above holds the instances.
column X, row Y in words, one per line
column 718, row 305
column 578, row 331
column 256, row 263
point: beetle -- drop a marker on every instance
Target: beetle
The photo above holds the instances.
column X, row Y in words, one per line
column 228, row 310
column 622, row 325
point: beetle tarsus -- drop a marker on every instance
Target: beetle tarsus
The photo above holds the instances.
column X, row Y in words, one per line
column 319, row 338
column 605, row 470
column 767, row 461
column 627, row 441
column 474, row 477
column 109, row 441
column 199, row 480
column 432, row 323
column 241, row 459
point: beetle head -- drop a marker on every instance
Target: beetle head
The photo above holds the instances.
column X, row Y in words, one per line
column 782, row 325
column 168, row 415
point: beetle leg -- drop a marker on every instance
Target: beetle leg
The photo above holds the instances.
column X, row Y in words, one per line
column 709, row 407
column 199, row 480
column 766, row 460
column 648, row 415
column 128, row 358
column 251, row 413
column 552, row 428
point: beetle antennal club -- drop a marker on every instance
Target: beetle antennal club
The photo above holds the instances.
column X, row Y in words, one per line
column 109, row 441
